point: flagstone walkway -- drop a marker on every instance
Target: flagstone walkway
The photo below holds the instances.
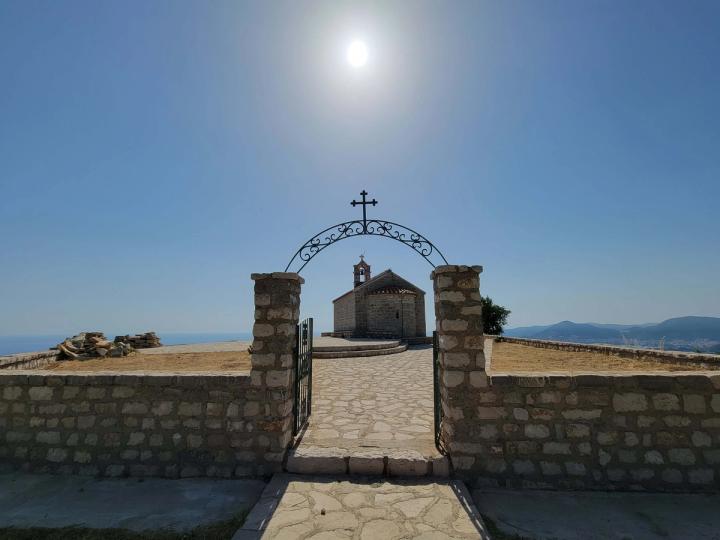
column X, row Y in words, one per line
column 317, row 508
column 374, row 402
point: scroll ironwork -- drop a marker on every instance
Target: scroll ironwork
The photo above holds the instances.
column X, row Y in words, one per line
column 371, row 227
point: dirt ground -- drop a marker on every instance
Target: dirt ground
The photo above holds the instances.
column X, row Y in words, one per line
column 506, row 358
column 200, row 361
column 509, row 357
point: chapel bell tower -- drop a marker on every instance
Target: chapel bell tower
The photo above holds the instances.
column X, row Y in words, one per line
column 361, row 271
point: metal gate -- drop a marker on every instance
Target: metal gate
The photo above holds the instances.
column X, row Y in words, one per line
column 303, row 375
column 437, row 402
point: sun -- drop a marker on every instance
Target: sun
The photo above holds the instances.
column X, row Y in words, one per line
column 357, row 54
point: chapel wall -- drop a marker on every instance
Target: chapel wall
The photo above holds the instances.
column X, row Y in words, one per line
column 344, row 314
column 381, row 315
column 361, row 315
column 420, row 327
column 407, row 314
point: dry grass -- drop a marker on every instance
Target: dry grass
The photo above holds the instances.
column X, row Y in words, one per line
column 512, row 357
column 506, row 358
column 202, row 361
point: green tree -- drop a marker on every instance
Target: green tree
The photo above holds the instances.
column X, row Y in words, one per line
column 494, row 316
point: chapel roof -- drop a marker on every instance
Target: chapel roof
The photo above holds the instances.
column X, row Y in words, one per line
column 392, row 289
column 373, row 280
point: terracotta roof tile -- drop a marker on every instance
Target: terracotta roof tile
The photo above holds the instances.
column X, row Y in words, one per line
column 392, row 289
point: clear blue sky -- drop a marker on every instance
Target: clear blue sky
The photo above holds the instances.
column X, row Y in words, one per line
column 154, row 154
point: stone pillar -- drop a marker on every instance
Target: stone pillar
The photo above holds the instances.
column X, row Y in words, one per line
column 277, row 309
column 458, row 316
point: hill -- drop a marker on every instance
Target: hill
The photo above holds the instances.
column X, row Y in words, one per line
column 679, row 333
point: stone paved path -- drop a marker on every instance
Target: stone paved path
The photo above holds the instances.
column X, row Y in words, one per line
column 374, row 402
column 317, row 508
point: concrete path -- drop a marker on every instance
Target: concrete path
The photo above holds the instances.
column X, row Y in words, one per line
column 36, row 500
column 545, row 515
column 322, row 508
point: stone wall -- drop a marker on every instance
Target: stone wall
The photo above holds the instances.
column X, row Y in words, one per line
column 362, row 311
column 344, row 313
column 32, row 360
column 134, row 424
column 420, row 326
column 408, row 311
column 154, row 424
column 391, row 315
column 657, row 355
column 657, row 432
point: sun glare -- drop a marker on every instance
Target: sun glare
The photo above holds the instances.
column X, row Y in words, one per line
column 357, row 54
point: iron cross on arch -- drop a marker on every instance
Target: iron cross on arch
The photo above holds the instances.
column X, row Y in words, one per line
column 375, row 227
column 364, row 204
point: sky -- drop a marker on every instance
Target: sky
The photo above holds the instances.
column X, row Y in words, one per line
column 154, row 154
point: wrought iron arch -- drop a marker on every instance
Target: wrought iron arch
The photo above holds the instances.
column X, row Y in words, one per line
column 372, row 227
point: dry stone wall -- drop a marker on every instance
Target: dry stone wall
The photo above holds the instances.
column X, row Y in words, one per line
column 33, row 360
column 133, row 425
column 657, row 432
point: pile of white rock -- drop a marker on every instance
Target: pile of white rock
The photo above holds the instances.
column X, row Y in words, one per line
column 92, row 345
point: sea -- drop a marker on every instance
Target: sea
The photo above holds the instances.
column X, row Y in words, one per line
column 19, row 344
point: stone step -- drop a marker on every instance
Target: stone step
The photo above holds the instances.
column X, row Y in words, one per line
column 358, row 353
column 396, row 462
column 356, row 347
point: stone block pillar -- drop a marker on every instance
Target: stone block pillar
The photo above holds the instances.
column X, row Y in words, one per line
column 277, row 310
column 458, row 316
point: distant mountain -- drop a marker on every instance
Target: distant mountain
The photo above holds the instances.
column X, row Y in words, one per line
column 575, row 332
column 681, row 328
column 680, row 333
column 621, row 326
column 525, row 331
